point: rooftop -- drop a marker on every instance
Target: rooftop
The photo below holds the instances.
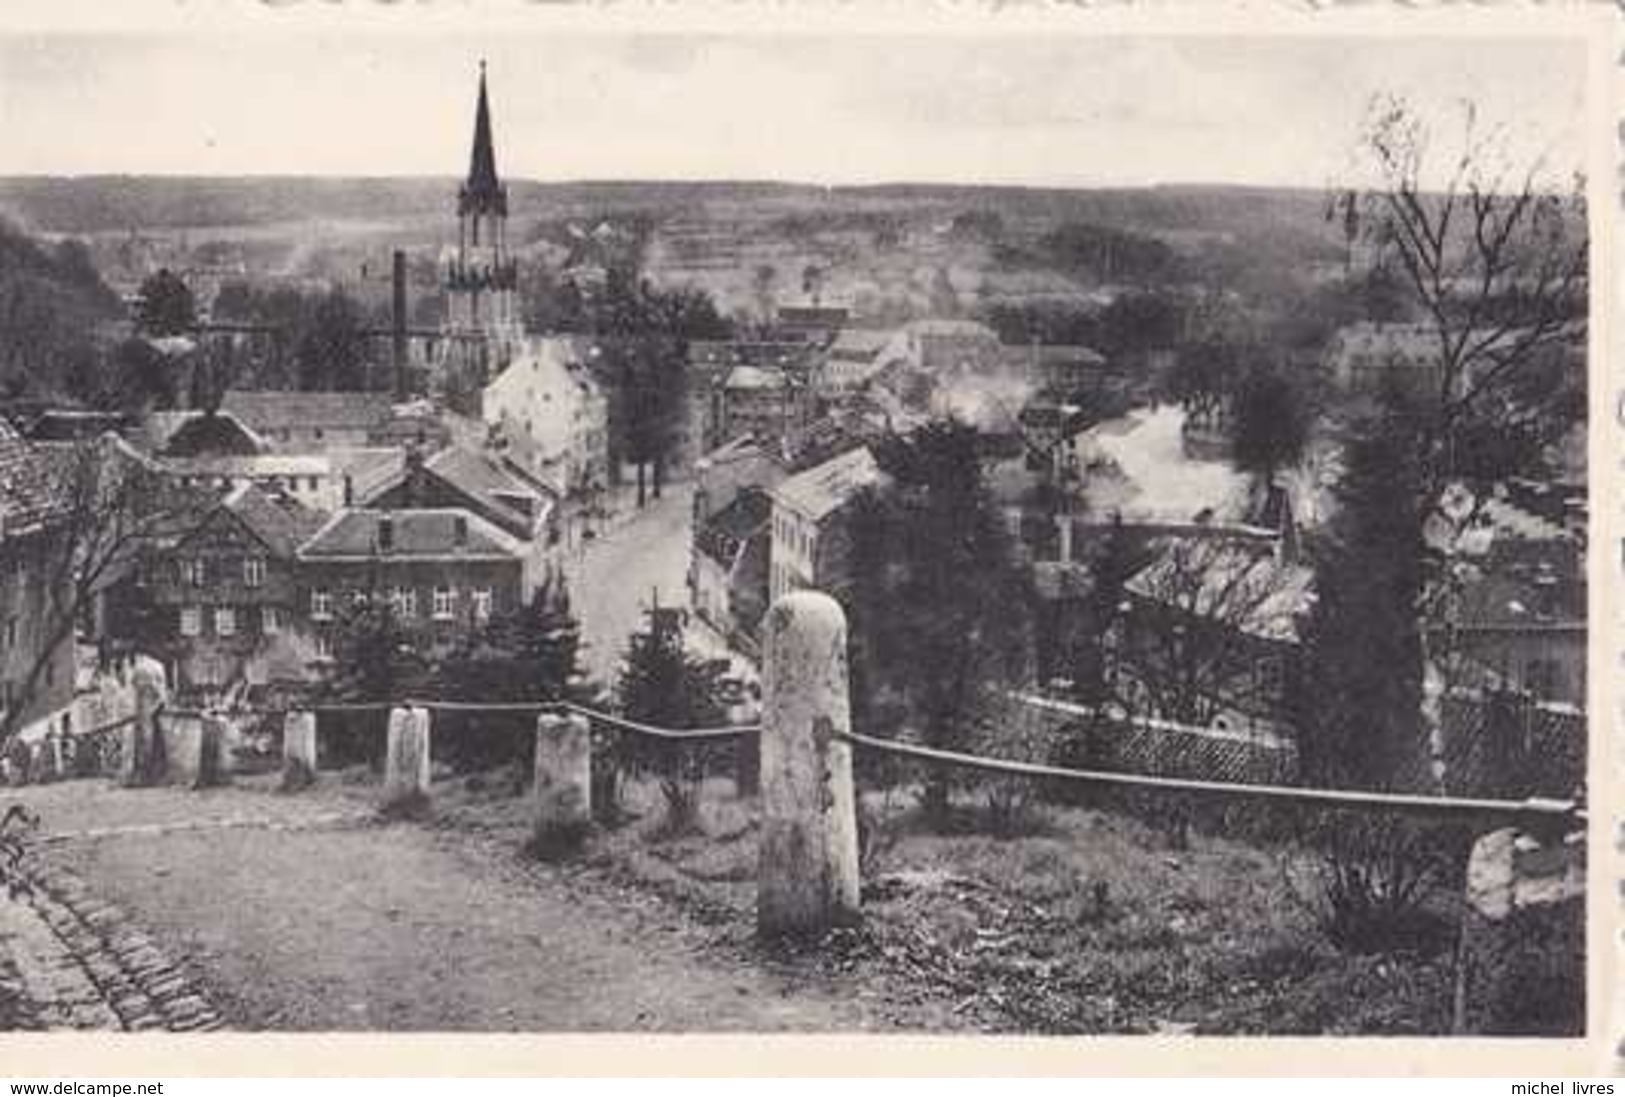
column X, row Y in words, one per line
column 428, row 533
column 271, row 411
column 259, row 464
column 282, row 526
column 26, row 494
column 1233, row 583
column 827, row 487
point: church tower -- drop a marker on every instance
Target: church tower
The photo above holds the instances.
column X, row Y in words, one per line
column 483, row 331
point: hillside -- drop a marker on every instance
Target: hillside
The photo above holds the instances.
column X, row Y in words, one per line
column 52, row 302
column 892, row 252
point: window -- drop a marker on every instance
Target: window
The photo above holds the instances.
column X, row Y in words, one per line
column 404, row 601
column 324, row 646
column 10, row 634
column 482, row 604
column 445, row 601
column 191, row 621
column 321, row 604
column 193, row 573
column 270, row 620
column 253, row 571
column 225, row 621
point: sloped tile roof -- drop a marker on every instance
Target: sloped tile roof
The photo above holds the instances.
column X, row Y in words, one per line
column 269, row 411
column 825, row 488
column 426, row 533
column 28, row 494
column 281, row 526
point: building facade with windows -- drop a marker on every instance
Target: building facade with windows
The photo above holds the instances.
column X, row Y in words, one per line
column 33, row 643
column 811, row 542
column 440, row 570
column 218, row 594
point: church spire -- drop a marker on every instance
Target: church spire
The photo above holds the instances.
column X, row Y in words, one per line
column 483, row 193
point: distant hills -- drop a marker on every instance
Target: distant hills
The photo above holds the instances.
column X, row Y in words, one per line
column 87, row 204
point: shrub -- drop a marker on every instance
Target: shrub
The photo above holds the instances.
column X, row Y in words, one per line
column 1374, row 882
column 411, row 806
column 557, row 842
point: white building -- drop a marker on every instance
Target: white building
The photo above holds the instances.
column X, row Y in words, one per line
column 811, row 546
column 549, row 416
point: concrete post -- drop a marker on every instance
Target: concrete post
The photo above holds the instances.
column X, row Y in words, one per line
column 807, row 878
column 211, row 753
column 1522, row 934
column 142, row 760
column 40, row 769
column 298, row 748
column 182, row 733
column 563, row 784
column 406, row 767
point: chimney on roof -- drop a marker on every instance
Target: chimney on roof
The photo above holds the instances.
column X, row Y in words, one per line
column 412, row 481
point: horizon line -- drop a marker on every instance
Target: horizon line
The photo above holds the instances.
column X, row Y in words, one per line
column 453, row 177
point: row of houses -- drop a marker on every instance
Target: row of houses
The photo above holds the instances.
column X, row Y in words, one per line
column 274, row 514
column 1209, row 628
column 779, row 382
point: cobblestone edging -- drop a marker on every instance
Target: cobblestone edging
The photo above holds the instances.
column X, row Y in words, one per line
column 99, row 971
column 71, row 961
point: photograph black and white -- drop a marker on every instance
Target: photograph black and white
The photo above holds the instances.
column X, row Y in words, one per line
column 613, row 530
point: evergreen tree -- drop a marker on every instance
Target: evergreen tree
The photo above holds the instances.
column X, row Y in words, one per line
column 940, row 610
column 378, row 656
column 1270, row 427
column 663, row 684
column 529, row 654
column 1360, row 722
column 167, row 306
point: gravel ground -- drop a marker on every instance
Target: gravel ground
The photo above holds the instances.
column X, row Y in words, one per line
column 343, row 924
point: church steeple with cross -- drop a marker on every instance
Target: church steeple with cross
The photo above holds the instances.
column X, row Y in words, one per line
column 483, row 331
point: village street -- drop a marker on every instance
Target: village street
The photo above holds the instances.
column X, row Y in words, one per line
column 617, row 575
column 301, row 913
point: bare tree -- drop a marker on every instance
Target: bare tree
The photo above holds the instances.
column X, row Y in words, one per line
column 1494, row 254
column 1495, row 257
column 101, row 502
column 1203, row 616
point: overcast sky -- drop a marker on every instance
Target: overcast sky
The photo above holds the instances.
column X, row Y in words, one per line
column 1059, row 109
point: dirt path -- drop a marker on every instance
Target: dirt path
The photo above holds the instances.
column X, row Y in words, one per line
column 340, row 924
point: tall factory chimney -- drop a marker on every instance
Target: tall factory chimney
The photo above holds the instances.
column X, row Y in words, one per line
column 398, row 325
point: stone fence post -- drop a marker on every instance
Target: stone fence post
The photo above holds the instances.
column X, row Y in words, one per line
column 298, row 748
column 406, row 766
column 807, row 878
column 563, row 783
column 1523, row 934
column 141, row 759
